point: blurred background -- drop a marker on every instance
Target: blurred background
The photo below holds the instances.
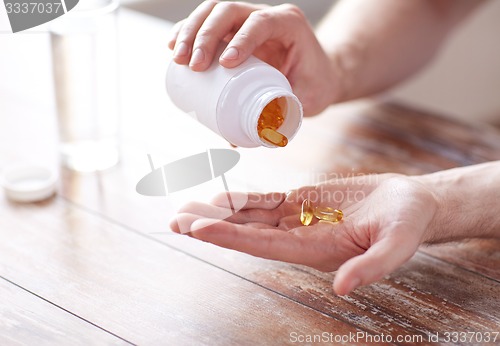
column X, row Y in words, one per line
column 463, row 81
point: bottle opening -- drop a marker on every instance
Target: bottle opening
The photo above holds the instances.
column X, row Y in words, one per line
column 270, row 121
column 279, row 121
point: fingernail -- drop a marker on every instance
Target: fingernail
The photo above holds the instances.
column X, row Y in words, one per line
column 353, row 285
column 230, row 54
column 179, row 225
column 200, row 224
column 172, row 223
column 181, row 49
column 198, row 57
column 184, row 227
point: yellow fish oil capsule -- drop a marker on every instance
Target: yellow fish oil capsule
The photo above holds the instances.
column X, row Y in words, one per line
column 269, row 122
column 307, row 213
column 271, row 116
column 273, row 137
column 328, row 214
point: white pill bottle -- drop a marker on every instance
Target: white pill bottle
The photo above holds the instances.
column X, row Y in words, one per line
column 230, row 101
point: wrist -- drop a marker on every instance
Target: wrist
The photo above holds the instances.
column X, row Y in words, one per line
column 345, row 61
column 466, row 199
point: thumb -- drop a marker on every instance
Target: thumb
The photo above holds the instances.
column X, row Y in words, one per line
column 380, row 259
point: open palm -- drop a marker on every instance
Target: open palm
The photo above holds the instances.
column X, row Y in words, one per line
column 386, row 217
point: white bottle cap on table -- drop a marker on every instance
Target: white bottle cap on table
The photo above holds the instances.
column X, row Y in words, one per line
column 28, row 183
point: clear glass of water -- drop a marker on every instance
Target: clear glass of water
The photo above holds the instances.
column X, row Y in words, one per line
column 85, row 63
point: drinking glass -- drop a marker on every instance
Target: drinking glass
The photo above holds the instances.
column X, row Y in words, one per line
column 85, row 64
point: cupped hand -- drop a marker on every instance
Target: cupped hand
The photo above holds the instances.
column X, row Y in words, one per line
column 279, row 35
column 385, row 220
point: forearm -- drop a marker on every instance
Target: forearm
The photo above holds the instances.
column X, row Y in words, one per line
column 373, row 45
column 469, row 201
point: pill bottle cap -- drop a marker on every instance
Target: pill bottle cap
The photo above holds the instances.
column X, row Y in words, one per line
column 28, row 183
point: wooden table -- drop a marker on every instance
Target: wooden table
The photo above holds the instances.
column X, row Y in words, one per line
column 97, row 263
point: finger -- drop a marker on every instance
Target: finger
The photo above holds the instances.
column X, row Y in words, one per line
column 270, row 217
column 182, row 222
column 174, row 32
column 276, row 22
column 221, row 22
column 250, row 200
column 187, row 33
column 254, row 32
column 265, row 243
column 379, row 260
column 206, row 210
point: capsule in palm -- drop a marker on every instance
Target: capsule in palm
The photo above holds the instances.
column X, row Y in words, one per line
column 307, row 213
column 328, row 214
